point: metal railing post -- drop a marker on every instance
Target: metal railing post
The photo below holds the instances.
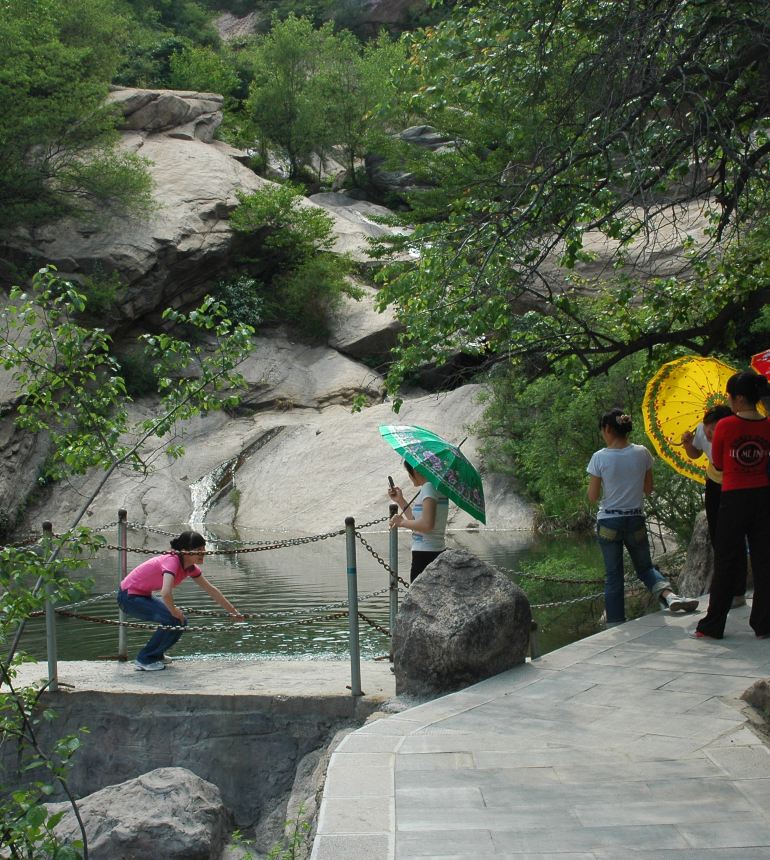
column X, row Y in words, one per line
column 122, row 571
column 393, row 565
column 534, row 641
column 352, row 573
column 50, row 617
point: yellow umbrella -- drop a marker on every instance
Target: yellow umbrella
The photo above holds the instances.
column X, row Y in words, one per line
column 674, row 401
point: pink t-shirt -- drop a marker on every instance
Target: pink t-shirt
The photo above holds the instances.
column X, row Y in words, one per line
column 148, row 576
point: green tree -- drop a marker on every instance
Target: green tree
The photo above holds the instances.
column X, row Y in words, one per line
column 285, row 96
column 202, row 69
column 72, row 389
column 357, row 89
column 57, row 134
column 584, row 117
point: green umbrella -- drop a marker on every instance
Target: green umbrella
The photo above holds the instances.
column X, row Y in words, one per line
column 442, row 463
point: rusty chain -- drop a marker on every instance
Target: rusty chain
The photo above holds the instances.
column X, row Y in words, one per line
column 379, row 559
column 140, row 625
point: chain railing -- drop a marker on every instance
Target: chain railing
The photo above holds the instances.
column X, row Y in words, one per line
column 290, row 618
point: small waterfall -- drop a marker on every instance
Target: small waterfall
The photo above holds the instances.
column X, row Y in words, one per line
column 207, row 488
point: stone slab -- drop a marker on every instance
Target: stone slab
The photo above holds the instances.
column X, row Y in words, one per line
column 632, row 742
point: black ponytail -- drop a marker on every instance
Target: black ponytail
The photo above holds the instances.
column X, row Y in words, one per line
column 748, row 384
column 188, row 541
column 617, row 420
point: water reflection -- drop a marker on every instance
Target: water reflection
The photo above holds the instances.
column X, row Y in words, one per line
column 291, row 589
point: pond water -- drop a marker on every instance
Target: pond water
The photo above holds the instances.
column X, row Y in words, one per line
column 291, row 589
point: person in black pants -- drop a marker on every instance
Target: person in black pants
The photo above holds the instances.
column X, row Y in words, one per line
column 741, row 451
column 695, row 445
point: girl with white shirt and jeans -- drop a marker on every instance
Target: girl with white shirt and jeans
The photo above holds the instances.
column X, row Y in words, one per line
column 621, row 476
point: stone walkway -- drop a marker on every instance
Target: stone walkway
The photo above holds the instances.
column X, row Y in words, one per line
column 631, row 743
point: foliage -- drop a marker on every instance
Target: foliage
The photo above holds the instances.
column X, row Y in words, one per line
column 313, row 89
column 100, row 291
column 243, row 300
column 159, row 29
column 147, row 61
column 26, row 782
column 187, row 18
column 572, row 120
column 292, row 846
column 72, row 385
column 284, row 99
column 71, row 388
column 356, row 87
column 137, row 373
column 57, row 134
column 289, row 246
column 202, row 69
column 543, row 433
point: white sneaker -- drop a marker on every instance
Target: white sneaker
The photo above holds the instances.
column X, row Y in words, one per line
column 675, row 603
column 149, row 667
column 167, row 660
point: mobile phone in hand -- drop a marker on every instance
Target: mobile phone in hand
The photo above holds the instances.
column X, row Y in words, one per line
column 390, row 481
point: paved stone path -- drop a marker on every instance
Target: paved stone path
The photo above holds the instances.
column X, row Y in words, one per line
column 628, row 744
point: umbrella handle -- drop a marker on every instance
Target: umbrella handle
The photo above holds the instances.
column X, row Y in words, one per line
column 409, row 503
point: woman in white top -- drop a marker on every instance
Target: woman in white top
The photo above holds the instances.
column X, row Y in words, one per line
column 698, row 443
column 621, row 476
column 426, row 517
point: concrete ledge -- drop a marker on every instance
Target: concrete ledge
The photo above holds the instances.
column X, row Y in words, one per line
column 243, row 725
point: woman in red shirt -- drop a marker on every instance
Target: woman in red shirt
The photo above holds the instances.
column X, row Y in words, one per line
column 741, row 451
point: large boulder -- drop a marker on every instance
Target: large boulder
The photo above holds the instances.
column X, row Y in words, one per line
column 169, row 812
column 462, row 621
column 183, row 114
column 358, row 330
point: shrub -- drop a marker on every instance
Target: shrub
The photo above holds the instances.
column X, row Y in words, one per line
column 290, row 255
column 243, row 298
column 137, row 373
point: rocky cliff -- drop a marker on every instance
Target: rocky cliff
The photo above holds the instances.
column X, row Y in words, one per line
column 294, row 456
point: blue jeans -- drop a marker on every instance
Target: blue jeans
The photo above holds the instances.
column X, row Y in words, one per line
column 613, row 533
column 152, row 609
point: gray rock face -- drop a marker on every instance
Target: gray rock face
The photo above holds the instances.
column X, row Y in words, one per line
column 357, row 330
column 185, row 115
column 172, row 256
column 462, row 621
column 293, row 466
column 169, row 812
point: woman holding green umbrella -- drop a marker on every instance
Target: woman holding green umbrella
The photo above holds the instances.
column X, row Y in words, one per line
column 426, row 518
column 442, row 472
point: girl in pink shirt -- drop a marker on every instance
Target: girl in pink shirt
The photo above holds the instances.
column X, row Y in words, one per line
column 163, row 573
